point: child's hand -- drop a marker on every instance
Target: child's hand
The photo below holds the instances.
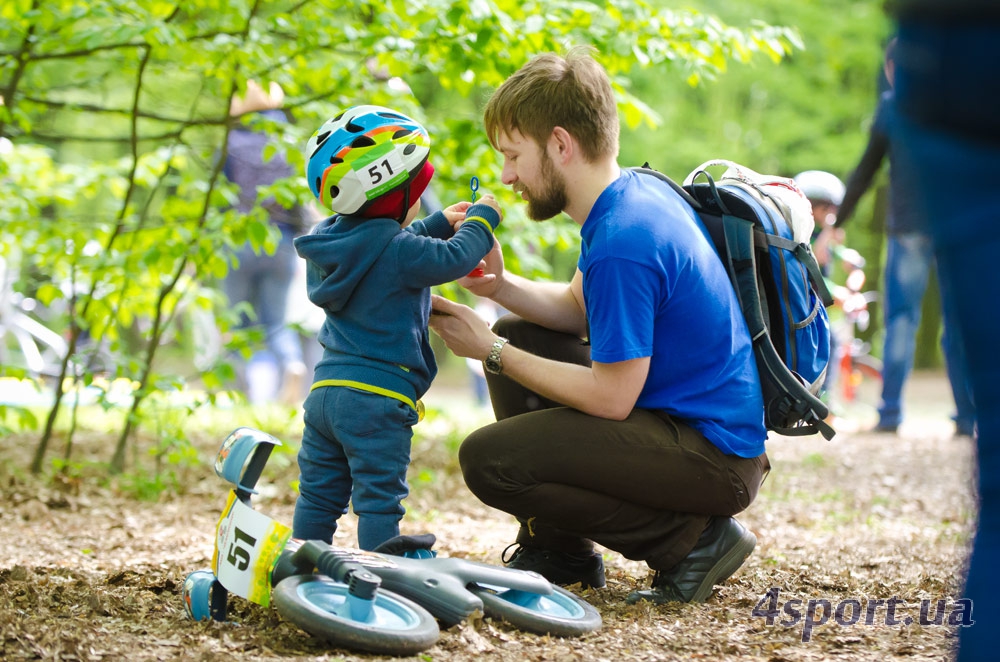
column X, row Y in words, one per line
column 456, row 214
column 490, row 201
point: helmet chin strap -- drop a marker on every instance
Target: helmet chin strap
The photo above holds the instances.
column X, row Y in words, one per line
column 406, row 204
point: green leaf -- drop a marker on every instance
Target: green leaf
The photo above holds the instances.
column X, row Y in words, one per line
column 47, row 293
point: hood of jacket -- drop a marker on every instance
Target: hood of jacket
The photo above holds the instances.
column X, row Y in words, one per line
column 339, row 252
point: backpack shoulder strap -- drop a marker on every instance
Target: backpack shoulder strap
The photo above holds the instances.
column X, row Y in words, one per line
column 678, row 189
column 742, row 266
column 805, row 256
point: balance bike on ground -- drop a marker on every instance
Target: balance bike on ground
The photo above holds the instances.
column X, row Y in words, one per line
column 368, row 601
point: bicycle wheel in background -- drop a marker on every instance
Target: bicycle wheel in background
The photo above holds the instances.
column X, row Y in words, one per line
column 319, row 605
column 859, row 390
column 560, row 613
column 861, row 379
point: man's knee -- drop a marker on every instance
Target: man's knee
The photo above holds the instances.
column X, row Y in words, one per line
column 512, row 327
column 475, row 462
column 486, row 472
column 538, row 340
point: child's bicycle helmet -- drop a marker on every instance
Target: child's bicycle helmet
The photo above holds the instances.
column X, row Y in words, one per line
column 363, row 154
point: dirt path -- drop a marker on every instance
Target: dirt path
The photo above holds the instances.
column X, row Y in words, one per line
column 87, row 573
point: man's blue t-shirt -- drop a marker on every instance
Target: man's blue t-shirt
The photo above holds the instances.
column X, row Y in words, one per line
column 655, row 287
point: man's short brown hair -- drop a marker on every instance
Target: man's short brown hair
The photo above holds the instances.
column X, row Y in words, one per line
column 572, row 92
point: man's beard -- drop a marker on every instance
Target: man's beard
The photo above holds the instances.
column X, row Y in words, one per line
column 551, row 200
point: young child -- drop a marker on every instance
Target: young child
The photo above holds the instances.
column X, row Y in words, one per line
column 825, row 192
column 370, row 268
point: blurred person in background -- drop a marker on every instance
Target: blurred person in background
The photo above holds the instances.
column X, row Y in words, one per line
column 264, row 281
column 909, row 260
column 825, row 192
column 948, row 131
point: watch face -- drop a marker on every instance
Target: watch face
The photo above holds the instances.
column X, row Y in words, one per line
column 492, row 363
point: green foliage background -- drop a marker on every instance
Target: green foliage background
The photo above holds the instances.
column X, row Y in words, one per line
column 115, row 112
column 811, row 112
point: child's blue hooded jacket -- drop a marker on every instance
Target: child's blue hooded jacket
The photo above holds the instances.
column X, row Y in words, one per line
column 373, row 280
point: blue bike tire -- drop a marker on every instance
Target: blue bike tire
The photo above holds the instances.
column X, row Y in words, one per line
column 196, row 592
column 397, row 625
column 560, row 613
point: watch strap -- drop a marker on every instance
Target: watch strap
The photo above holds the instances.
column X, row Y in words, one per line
column 493, row 363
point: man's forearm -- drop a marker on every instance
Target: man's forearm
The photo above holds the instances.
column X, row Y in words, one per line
column 550, row 305
column 605, row 390
column 566, row 383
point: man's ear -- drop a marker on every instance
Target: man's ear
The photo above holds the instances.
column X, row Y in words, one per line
column 561, row 145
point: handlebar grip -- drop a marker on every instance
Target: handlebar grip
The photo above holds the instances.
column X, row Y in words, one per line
column 326, row 560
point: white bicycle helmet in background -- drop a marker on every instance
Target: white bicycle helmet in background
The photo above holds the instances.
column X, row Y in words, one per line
column 821, row 186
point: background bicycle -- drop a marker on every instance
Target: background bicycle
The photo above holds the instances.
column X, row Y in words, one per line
column 856, row 388
column 26, row 342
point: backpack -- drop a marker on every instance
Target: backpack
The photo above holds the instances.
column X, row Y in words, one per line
column 761, row 227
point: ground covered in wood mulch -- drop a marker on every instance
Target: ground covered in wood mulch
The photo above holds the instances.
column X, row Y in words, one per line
column 90, row 572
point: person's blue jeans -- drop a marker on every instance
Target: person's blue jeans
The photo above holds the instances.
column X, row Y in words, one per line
column 948, row 131
column 355, row 449
column 264, row 282
column 909, row 261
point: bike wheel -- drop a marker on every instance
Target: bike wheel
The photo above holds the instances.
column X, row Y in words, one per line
column 561, row 613
column 318, row 605
column 860, row 374
column 869, row 367
column 866, row 376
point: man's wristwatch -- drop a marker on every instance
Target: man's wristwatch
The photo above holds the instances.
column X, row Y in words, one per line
column 493, row 364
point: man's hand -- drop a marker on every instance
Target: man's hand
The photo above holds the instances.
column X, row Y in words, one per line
column 463, row 332
column 487, row 284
